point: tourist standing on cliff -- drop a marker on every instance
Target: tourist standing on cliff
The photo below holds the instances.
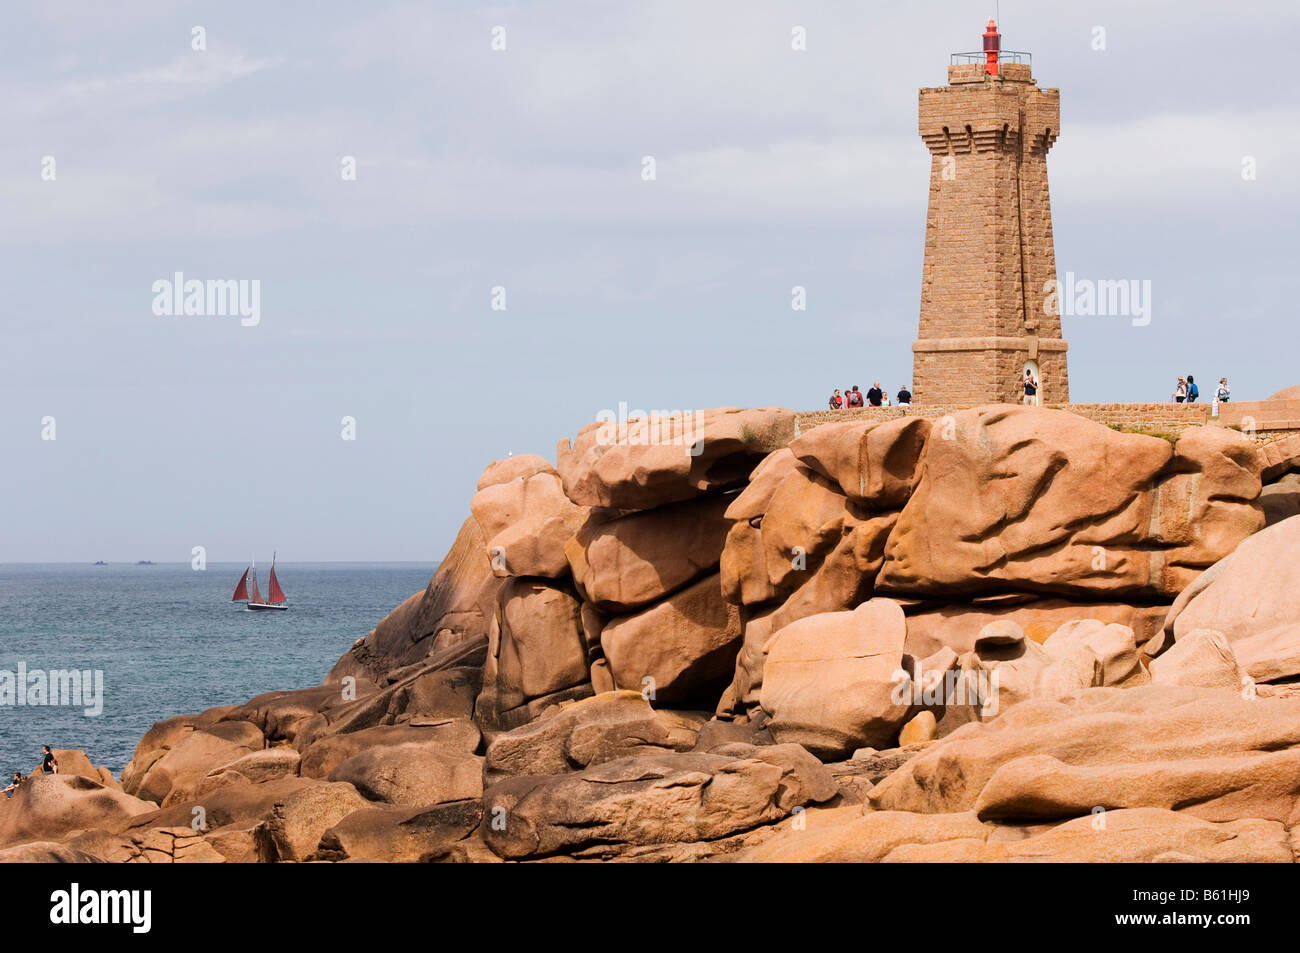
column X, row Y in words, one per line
column 904, row 397
column 855, row 397
column 836, row 402
column 1193, row 391
column 1031, row 390
column 875, row 396
column 49, row 764
column 1180, row 391
column 1222, row 395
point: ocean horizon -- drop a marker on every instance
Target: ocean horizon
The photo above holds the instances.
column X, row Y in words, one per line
column 168, row 641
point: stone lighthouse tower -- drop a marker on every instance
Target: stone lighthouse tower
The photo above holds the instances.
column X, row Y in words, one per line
column 985, row 310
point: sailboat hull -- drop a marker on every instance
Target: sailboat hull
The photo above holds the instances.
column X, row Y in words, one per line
column 262, row 605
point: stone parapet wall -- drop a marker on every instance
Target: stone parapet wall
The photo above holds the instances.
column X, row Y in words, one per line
column 1164, row 417
column 1157, row 418
column 1259, row 415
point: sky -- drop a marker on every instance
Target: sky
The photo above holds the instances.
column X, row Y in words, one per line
column 480, row 168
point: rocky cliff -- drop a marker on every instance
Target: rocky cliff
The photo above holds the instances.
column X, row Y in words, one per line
column 1005, row 633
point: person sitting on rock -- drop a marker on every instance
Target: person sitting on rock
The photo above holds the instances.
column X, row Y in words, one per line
column 49, row 764
column 904, row 397
column 13, row 785
column 836, row 402
column 875, row 396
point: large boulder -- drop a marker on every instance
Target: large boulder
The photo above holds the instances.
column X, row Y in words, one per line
column 680, row 650
column 839, row 681
column 415, row 775
column 1209, row 503
column 330, row 750
column 1144, row 835
column 1213, row 754
column 1139, row 835
column 623, row 564
column 747, row 681
column 804, row 522
column 238, row 805
column 1005, row 668
column 47, row 852
column 1029, row 499
column 174, row 777
column 653, row 799
column 269, row 764
column 743, row 564
column 457, row 606
column 666, row 458
column 74, row 761
column 1202, row 658
column 1253, row 591
column 871, row 462
column 525, row 518
column 958, row 625
column 1271, row 656
column 608, row 726
column 160, row 739
column 752, row 501
column 1280, row 500
column 400, row 835
column 851, row 837
column 536, row 653
column 49, row 807
column 846, row 576
column 281, row 715
column 1279, row 457
column 294, row 828
column 446, row 685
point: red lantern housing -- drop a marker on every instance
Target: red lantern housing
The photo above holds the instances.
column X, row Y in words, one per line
column 992, row 45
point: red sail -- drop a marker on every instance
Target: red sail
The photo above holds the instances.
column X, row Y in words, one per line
column 257, row 593
column 241, row 590
column 277, row 594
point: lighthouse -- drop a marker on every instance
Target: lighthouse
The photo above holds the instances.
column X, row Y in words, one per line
column 987, row 309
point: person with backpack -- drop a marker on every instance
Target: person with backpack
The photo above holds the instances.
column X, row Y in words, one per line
column 1180, row 391
column 836, row 402
column 1221, row 395
column 855, row 397
column 1193, row 391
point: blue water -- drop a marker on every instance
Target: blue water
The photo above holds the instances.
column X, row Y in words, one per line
column 170, row 641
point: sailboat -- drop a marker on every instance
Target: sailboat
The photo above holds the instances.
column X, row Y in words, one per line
column 255, row 600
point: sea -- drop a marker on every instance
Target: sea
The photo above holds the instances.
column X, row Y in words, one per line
column 167, row 641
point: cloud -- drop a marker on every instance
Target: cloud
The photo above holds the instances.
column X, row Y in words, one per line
column 1172, row 159
column 153, row 86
